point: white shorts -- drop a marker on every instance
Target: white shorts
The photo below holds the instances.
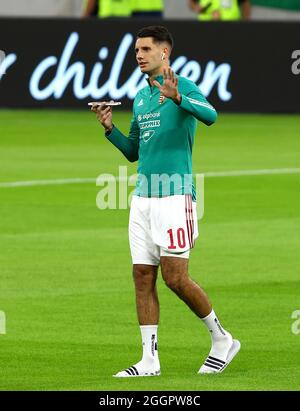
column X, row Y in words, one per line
column 164, row 226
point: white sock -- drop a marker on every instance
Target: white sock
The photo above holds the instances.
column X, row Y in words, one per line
column 149, row 341
column 149, row 364
column 221, row 339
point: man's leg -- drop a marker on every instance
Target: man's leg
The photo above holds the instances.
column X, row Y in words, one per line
column 175, row 274
column 224, row 348
column 147, row 305
column 145, row 258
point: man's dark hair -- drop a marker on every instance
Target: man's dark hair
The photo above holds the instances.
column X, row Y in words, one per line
column 159, row 34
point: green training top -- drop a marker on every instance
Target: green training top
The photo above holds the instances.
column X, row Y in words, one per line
column 161, row 138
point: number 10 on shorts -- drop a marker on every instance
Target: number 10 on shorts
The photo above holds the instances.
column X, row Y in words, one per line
column 179, row 237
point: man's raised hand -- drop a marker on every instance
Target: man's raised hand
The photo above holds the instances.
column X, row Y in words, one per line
column 169, row 88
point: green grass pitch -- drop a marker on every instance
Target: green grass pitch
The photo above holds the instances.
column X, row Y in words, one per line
column 65, row 268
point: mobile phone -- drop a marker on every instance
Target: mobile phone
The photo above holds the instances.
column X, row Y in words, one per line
column 104, row 103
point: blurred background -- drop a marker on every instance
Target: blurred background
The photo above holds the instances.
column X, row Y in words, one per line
column 67, row 307
column 177, row 9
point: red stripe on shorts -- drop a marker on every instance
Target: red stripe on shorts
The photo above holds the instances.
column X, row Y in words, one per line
column 187, row 218
column 192, row 214
column 191, row 220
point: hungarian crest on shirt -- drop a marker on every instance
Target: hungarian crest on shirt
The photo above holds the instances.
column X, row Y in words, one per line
column 161, row 99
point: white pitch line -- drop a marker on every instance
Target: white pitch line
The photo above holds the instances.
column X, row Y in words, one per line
column 237, row 173
column 47, row 182
column 234, row 173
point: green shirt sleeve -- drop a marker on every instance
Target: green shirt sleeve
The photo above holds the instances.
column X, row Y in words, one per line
column 193, row 101
column 129, row 146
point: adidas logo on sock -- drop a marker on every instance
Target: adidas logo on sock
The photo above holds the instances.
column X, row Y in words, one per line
column 152, row 344
column 219, row 326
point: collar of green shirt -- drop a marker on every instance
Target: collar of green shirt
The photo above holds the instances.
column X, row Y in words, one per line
column 159, row 78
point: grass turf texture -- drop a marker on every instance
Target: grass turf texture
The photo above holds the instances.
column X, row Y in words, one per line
column 66, row 284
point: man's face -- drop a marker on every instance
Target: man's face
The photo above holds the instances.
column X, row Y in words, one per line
column 149, row 55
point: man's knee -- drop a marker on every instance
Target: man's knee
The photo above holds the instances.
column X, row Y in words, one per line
column 144, row 276
column 174, row 280
column 174, row 272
